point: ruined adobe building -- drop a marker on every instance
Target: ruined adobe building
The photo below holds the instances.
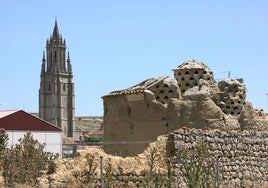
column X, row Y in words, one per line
column 136, row 116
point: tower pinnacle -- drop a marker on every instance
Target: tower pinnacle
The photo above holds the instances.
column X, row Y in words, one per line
column 56, row 33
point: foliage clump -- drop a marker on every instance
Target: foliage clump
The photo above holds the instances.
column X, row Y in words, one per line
column 93, row 140
column 25, row 162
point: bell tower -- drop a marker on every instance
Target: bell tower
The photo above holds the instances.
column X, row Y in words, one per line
column 56, row 93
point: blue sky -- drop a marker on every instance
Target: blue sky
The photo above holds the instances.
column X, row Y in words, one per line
column 115, row 44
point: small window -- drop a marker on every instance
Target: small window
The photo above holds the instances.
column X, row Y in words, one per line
column 64, row 87
column 165, row 97
column 170, row 91
column 191, row 78
column 187, row 85
column 195, row 72
column 161, row 91
column 182, row 79
column 187, row 72
column 205, row 72
column 165, row 85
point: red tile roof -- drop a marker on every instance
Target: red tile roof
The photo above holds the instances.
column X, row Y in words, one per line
column 23, row 121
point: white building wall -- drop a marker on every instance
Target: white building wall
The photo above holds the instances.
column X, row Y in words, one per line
column 52, row 140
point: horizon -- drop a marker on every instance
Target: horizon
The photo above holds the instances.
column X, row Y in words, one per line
column 115, row 45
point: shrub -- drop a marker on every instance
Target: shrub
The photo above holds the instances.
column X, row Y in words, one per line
column 108, row 176
column 93, row 140
column 196, row 166
column 24, row 163
column 3, row 145
column 89, row 173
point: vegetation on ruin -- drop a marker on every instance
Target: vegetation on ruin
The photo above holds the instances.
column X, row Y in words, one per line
column 196, row 166
column 191, row 167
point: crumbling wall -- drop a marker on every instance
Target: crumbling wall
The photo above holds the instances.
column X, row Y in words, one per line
column 165, row 90
column 242, row 155
column 132, row 122
column 189, row 73
column 136, row 116
column 253, row 119
column 232, row 96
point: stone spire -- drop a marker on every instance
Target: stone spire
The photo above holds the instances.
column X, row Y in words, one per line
column 69, row 63
column 43, row 63
column 56, row 33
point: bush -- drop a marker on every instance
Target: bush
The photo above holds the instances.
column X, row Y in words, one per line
column 197, row 167
column 24, row 163
column 93, row 140
column 3, row 142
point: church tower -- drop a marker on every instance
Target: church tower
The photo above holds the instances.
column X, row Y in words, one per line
column 56, row 93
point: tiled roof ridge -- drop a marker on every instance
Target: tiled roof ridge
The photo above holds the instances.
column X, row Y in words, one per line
column 139, row 88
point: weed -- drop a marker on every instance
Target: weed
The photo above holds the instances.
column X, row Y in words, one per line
column 196, row 166
column 108, row 174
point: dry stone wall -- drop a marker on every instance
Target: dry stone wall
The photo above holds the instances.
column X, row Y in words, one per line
column 241, row 155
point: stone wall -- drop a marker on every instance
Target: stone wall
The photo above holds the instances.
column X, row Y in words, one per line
column 242, row 155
